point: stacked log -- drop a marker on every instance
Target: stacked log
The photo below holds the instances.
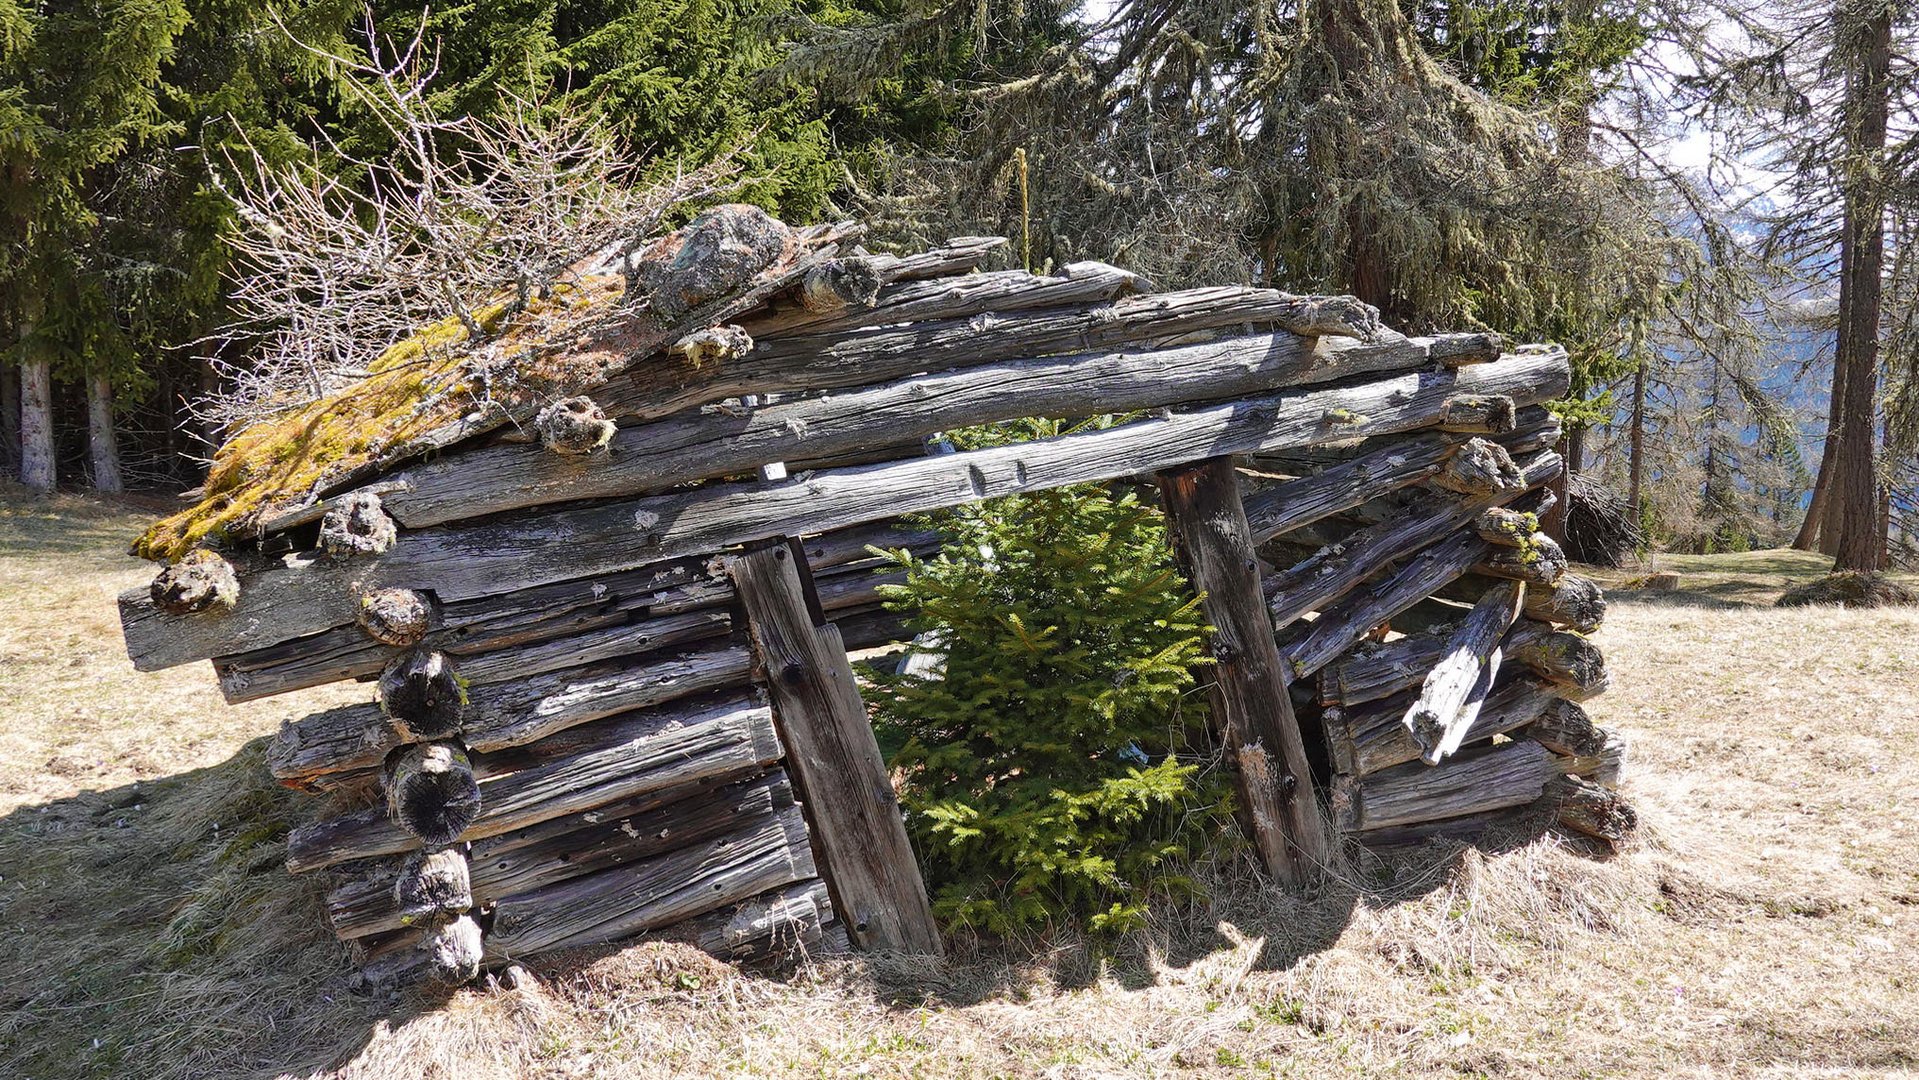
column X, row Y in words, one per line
column 610, row 690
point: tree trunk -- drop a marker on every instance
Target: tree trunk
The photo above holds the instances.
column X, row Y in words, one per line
column 1636, row 462
column 1855, row 499
column 103, row 448
column 36, row 425
column 10, row 422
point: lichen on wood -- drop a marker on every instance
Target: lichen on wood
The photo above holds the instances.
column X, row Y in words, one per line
column 196, row 583
column 358, row 525
column 574, row 426
column 395, row 616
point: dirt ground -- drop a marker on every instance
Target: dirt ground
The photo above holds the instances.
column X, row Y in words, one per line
column 1761, row 926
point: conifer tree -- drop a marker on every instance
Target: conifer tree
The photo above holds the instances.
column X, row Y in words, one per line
column 1046, row 759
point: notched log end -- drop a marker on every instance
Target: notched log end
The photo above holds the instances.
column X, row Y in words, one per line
column 713, row 345
column 395, row 616
column 431, row 791
column 422, row 693
column 453, row 951
column 1480, row 467
column 574, row 426
column 841, row 284
column 716, row 254
column 358, row 525
column 431, row 886
column 1485, row 414
column 200, row 580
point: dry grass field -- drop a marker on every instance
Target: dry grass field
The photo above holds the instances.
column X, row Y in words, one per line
column 1762, row 925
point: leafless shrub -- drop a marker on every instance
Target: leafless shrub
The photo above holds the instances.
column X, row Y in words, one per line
column 342, row 255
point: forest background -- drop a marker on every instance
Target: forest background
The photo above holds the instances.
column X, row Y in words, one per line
column 1713, row 205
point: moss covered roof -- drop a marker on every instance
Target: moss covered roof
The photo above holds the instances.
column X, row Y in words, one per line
column 435, row 388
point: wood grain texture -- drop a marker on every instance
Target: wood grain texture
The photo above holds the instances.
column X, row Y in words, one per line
column 1248, row 683
column 1489, row 779
column 462, row 562
column 619, row 902
column 646, row 751
column 834, row 759
column 1439, row 718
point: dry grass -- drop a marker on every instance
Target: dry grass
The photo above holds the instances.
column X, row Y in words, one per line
column 1758, row 929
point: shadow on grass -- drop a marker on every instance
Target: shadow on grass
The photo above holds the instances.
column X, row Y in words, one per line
column 151, row 930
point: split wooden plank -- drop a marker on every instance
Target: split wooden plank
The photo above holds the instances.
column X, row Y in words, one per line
column 1439, row 718
column 1370, row 737
column 1342, row 626
column 1489, row 779
column 647, row 751
column 944, row 297
column 623, row 832
column 1338, row 569
column 1260, row 734
column 654, row 457
column 867, row 859
column 625, row 900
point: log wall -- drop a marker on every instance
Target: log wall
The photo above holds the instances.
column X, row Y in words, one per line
column 609, row 691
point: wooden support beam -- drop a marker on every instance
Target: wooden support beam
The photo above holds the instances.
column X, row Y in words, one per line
column 1249, row 685
column 460, row 562
column 833, row 758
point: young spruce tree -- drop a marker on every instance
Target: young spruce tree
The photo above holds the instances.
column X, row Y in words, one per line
column 1047, row 766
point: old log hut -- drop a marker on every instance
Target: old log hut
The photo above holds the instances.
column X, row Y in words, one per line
column 602, row 573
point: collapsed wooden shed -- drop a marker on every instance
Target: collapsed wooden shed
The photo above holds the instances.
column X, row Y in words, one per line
column 603, row 574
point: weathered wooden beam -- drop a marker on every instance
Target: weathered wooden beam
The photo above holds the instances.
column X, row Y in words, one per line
column 834, row 760
column 620, row 831
column 647, row 751
column 1591, row 809
column 1372, row 736
column 460, row 562
column 1340, row 568
column 1260, row 734
column 621, row 901
column 320, row 750
column 1470, row 783
column 1438, row 718
column 945, row 297
column 664, row 454
column 1341, row 626
column 647, row 608
column 1488, row 414
column 1380, row 669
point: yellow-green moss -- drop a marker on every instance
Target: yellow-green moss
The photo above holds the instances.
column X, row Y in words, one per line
column 279, row 462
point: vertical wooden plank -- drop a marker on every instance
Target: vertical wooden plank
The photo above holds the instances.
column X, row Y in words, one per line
column 1250, row 701
column 833, row 758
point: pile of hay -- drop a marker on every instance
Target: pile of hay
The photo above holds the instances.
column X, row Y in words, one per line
column 1601, row 527
column 1850, row 588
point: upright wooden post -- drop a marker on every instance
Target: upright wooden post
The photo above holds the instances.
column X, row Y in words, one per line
column 1249, row 693
column 833, row 758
